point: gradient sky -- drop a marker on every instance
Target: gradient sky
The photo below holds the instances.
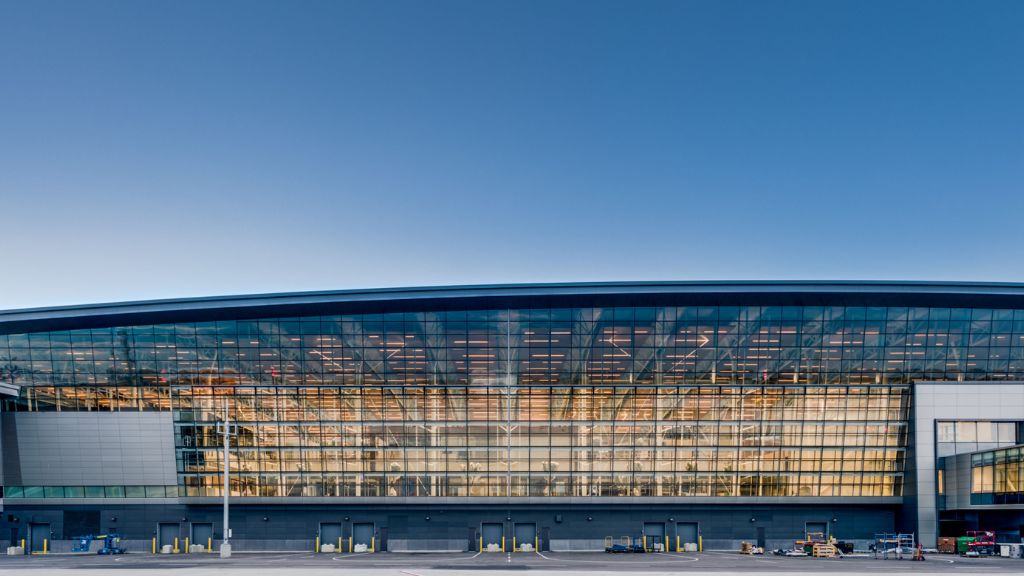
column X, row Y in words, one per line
column 163, row 149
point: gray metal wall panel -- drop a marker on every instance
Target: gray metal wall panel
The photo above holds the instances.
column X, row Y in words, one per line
column 89, row 449
column 952, row 401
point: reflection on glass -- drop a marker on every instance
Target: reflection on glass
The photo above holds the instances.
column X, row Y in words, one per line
column 618, row 401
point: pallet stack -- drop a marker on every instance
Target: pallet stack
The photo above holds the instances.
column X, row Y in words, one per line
column 824, row 551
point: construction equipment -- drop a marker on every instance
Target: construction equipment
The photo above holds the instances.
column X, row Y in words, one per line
column 111, row 543
column 984, row 542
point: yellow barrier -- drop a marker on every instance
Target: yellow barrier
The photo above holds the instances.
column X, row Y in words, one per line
column 175, row 544
column 666, row 542
column 503, row 543
column 514, row 549
column 317, row 549
column 536, row 543
column 46, row 545
column 700, row 543
column 481, row 543
column 209, row 545
column 645, row 542
column 154, row 545
column 339, row 544
column 678, row 549
column 186, row 544
column 373, row 544
column 349, row 544
column 23, row 549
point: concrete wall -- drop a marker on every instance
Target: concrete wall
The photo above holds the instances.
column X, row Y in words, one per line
column 88, row 449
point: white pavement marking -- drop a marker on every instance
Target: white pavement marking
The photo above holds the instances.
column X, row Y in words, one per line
column 409, row 559
column 353, row 555
column 575, row 560
column 679, row 558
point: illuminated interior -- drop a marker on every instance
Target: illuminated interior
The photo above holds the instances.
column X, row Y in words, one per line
column 708, row 401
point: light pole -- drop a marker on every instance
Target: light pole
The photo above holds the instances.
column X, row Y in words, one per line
column 227, row 430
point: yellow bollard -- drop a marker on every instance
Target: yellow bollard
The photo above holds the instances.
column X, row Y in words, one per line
column 513, row 543
column 186, row 544
column 339, row 544
column 154, row 545
column 209, row 545
column 46, row 545
column 645, row 542
column 317, row 549
column 349, row 544
column 536, row 543
column 677, row 543
column 175, row 544
column 481, row 543
column 373, row 543
column 700, row 543
column 666, row 543
column 23, row 549
column 503, row 543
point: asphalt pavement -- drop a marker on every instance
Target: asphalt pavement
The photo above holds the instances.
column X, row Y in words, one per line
column 496, row 564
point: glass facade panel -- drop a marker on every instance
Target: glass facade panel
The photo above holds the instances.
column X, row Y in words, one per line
column 996, row 477
column 648, row 401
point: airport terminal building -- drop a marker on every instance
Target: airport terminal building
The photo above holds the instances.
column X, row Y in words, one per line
column 556, row 415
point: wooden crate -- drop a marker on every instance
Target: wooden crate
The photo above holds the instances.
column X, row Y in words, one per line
column 947, row 545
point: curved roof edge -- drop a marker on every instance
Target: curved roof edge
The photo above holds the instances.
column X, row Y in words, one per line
column 979, row 293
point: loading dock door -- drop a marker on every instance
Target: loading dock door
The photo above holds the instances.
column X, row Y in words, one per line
column 362, row 533
column 819, row 527
column 491, row 533
column 36, row 534
column 655, row 534
column 526, row 533
column 167, row 534
column 330, row 533
column 202, row 533
column 687, row 533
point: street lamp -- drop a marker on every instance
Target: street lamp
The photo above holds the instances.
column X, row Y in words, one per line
column 227, row 430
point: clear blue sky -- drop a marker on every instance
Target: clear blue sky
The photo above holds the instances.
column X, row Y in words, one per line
column 161, row 149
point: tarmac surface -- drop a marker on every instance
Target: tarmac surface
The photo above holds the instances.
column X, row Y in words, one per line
column 495, row 564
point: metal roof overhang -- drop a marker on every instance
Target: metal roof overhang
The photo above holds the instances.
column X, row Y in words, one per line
column 382, row 300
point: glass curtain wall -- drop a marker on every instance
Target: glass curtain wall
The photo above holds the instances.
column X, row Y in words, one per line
column 666, row 401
